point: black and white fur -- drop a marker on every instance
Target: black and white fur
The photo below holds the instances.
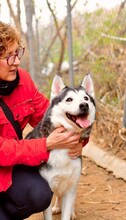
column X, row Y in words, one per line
column 73, row 108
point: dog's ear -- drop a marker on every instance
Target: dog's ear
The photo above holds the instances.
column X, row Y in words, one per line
column 57, row 86
column 88, row 85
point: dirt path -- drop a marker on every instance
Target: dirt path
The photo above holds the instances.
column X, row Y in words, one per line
column 100, row 196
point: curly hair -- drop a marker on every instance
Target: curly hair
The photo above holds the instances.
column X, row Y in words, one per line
column 8, row 36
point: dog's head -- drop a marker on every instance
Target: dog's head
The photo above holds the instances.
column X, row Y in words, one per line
column 74, row 108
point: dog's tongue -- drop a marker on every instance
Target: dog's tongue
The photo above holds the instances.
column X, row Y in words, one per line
column 83, row 122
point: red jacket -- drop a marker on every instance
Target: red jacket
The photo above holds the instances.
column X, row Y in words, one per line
column 28, row 106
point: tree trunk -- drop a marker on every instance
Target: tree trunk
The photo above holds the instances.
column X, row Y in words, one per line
column 29, row 10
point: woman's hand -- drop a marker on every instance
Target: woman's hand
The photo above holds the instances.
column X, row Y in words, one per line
column 60, row 138
column 76, row 152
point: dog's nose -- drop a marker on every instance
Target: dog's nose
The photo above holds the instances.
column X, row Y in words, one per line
column 84, row 106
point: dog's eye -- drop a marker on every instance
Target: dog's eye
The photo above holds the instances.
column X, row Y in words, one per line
column 86, row 98
column 69, row 100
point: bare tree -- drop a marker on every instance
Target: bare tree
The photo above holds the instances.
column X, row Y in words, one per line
column 51, row 44
column 15, row 17
column 62, row 37
column 29, row 10
column 121, row 8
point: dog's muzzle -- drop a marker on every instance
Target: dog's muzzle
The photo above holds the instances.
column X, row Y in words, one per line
column 81, row 120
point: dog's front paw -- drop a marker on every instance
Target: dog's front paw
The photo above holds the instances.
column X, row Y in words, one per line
column 56, row 210
column 73, row 217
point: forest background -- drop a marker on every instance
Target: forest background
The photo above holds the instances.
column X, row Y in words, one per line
column 99, row 47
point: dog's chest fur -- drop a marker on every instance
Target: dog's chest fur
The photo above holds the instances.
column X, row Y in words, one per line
column 60, row 171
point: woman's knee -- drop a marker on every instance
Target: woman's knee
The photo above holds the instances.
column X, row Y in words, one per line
column 36, row 198
column 40, row 197
column 29, row 192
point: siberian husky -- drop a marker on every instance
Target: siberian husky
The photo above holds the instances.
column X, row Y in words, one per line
column 73, row 108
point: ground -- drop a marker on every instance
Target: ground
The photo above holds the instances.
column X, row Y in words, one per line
column 100, row 196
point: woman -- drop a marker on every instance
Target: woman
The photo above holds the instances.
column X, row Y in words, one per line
column 22, row 190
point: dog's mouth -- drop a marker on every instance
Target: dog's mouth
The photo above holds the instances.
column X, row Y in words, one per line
column 80, row 120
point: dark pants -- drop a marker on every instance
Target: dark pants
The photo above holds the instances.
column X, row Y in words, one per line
column 29, row 194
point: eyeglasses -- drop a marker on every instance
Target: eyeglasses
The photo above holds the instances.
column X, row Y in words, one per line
column 11, row 58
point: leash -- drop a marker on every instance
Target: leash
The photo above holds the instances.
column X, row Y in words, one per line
column 9, row 115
